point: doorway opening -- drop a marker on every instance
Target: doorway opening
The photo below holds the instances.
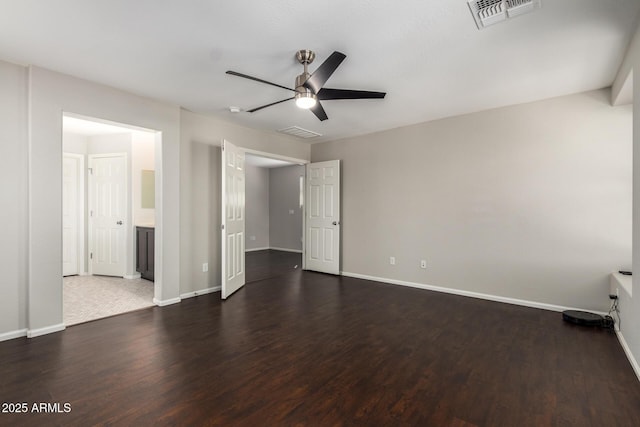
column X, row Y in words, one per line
column 108, row 194
column 321, row 216
column 274, row 216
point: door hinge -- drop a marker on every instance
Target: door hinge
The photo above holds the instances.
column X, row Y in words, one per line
column 90, row 171
column 222, row 227
column 91, row 255
column 91, row 213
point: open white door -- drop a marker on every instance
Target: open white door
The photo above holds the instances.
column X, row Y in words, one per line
column 322, row 222
column 233, row 183
column 107, row 214
column 72, row 201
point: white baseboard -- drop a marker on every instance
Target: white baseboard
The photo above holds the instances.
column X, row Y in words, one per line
column 256, row 249
column 627, row 351
column 497, row 298
column 133, row 276
column 299, row 251
column 13, row 334
column 32, row 333
column 201, row 292
column 162, row 303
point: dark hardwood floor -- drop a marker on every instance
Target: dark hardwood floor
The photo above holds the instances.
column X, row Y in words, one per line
column 308, row 349
column 270, row 263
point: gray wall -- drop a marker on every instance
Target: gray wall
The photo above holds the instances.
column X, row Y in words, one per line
column 530, row 202
column 284, row 196
column 271, row 196
column 257, row 207
column 73, row 143
column 13, row 191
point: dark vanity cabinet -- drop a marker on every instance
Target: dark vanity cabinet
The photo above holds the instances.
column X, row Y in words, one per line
column 145, row 243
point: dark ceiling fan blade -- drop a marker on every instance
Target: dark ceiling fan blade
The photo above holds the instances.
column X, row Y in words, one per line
column 319, row 112
column 253, row 110
column 328, row 94
column 324, row 71
column 234, row 73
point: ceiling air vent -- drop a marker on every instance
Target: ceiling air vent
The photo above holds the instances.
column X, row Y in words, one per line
column 299, row 132
column 489, row 12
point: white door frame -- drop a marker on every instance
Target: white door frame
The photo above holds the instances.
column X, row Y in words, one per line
column 80, row 210
column 159, row 192
column 127, row 225
column 300, row 162
column 306, row 164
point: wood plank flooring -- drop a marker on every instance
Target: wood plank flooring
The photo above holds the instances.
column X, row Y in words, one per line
column 270, row 263
column 308, row 349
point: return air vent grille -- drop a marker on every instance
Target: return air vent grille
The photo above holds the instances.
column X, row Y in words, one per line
column 299, row 132
column 489, row 12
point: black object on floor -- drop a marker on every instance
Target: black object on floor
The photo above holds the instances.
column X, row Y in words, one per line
column 585, row 318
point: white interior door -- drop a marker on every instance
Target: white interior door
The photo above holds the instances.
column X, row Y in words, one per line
column 72, row 170
column 233, row 218
column 107, row 214
column 322, row 221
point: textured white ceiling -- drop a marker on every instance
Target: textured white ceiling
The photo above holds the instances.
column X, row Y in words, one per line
column 427, row 55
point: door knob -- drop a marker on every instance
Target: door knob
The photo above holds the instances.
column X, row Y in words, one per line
column 119, row 222
column 336, row 222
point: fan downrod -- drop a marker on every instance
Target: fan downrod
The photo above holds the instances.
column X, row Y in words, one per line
column 303, row 95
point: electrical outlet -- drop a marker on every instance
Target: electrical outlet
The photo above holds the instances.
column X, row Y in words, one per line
column 291, row 211
column 392, row 260
column 205, row 267
column 252, row 238
column 423, row 263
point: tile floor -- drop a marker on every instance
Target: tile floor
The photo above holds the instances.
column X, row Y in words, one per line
column 94, row 297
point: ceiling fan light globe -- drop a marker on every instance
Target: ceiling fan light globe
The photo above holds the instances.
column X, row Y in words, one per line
column 305, row 101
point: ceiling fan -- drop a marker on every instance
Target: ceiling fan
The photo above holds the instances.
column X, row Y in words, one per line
column 309, row 90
